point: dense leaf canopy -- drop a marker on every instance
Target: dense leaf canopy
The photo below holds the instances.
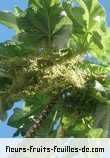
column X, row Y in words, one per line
column 46, row 65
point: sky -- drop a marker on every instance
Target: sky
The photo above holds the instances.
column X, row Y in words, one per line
column 6, row 34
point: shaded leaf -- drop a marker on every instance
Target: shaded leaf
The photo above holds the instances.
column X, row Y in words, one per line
column 97, row 39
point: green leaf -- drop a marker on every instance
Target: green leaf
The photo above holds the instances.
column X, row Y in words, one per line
column 16, row 119
column 96, row 38
column 33, row 106
column 13, row 49
column 37, row 3
column 8, row 19
column 95, row 133
column 76, row 15
column 51, row 25
column 62, row 37
column 94, row 14
column 18, row 12
column 39, row 25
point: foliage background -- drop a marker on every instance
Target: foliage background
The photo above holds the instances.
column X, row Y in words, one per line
column 7, row 33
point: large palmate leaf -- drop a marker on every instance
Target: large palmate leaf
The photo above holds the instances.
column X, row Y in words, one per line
column 89, row 22
column 75, row 14
column 100, row 46
column 39, row 23
column 94, row 14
